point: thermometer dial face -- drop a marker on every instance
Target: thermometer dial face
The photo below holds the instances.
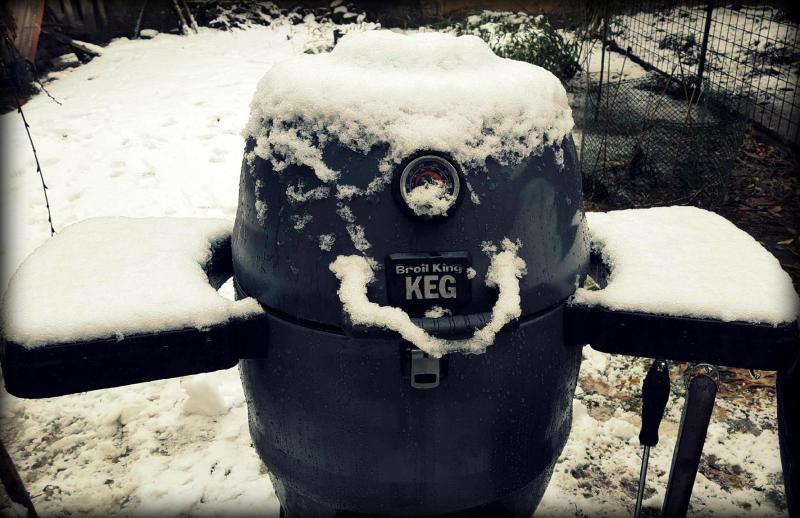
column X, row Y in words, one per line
column 430, row 170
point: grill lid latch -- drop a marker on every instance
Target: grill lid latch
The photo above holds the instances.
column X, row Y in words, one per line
column 424, row 370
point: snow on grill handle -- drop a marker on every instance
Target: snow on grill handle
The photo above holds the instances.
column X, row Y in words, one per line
column 505, row 271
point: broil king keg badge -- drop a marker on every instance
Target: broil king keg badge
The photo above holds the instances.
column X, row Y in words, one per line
column 416, row 282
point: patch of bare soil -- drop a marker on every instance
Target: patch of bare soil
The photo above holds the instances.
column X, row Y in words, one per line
column 765, row 198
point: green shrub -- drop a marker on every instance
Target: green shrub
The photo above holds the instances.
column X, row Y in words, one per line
column 525, row 38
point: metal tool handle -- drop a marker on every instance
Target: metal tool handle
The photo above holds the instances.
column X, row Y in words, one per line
column 701, row 392
column 655, row 394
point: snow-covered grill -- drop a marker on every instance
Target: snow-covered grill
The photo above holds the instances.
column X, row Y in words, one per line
column 381, row 257
column 407, row 255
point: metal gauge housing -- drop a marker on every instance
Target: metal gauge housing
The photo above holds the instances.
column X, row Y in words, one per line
column 428, row 169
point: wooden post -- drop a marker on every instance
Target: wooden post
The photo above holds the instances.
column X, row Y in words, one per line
column 27, row 17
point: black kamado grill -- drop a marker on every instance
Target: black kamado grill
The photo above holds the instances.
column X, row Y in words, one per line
column 406, row 253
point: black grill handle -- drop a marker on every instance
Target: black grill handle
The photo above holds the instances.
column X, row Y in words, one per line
column 451, row 326
column 70, row 367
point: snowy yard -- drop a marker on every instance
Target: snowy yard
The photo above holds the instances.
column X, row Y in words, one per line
column 153, row 128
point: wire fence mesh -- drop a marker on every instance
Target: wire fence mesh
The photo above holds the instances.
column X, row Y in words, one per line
column 648, row 142
column 750, row 53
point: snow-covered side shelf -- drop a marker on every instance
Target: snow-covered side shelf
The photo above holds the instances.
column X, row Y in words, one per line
column 115, row 277
column 687, row 262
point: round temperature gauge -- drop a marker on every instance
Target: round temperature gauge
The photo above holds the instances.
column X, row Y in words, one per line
column 429, row 186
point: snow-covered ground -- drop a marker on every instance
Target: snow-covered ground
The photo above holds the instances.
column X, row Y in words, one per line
column 152, row 128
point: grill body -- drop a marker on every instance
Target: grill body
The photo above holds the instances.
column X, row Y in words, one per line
column 340, row 428
column 333, row 413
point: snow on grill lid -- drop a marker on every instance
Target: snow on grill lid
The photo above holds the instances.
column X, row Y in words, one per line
column 108, row 277
column 408, row 92
column 688, row 262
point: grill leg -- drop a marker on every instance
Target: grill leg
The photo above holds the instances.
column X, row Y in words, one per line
column 789, row 433
column 12, row 482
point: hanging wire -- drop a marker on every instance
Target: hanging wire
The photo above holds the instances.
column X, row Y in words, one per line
column 12, row 50
column 41, row 86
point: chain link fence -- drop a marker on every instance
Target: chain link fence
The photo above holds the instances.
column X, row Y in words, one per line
column 750, row 52
column 671, row 136
column 648, row 142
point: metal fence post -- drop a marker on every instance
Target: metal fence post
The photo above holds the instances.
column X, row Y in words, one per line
column 701, row 65
column 602, row 57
